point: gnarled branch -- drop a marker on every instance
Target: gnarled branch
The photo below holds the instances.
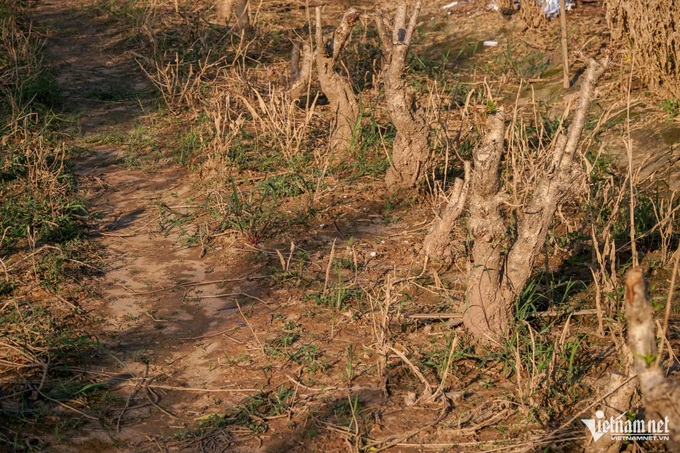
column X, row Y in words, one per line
column 338, row 89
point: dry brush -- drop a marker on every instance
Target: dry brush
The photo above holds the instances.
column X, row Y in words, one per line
column 649, row 28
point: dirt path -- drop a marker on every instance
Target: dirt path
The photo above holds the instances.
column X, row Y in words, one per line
column 161, row 313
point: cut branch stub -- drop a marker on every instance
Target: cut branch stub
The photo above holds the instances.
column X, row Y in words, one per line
column 237, row 8
column 437, row 243
column 337, row 88
column 410, row 151
column 661, row 396
column 300, row 70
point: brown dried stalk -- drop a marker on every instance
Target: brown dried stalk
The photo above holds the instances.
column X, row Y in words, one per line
column 649, row 29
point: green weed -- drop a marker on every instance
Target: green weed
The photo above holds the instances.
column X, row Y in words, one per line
column 671, row 106
column 253, row 214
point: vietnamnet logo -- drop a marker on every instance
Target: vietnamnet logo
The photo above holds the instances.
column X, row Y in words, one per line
column 621, row 428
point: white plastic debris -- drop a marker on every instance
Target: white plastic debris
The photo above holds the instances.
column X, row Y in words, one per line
column 490, row 43
column 449, row 5
column 373, row 254
column 492, row 6
column 551, row 8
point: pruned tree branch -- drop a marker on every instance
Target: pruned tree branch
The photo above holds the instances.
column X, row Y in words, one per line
column 437, row 243
column 301, row 62
column 497, row 278
column 552, row 189
column 660, row 396
column 237, row 8
column 486, row 314
column 338, row 89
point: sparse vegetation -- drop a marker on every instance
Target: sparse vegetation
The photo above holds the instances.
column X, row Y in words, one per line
column 409, row 237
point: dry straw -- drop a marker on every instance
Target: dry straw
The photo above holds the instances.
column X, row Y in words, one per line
column 649, row 27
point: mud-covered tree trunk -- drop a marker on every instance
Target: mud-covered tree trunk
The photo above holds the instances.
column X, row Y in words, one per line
column 337, row 88
column 410, row 151
column 660, row 396
column 239, row 10
column 496, row 279
column 486, row 314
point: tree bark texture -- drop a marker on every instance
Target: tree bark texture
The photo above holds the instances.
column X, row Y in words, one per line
column 337, row 88
column 486, row 315
column 410, row 151
column 660, row 396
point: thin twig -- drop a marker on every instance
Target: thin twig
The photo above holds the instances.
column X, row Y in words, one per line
column 68, row 407
column 249, row 325
column 194, row 389
column 328, row 268
column 416, row 371
column 311, row 389
column 213, row 296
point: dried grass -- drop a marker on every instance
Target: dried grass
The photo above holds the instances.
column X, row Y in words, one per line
column 648, row 30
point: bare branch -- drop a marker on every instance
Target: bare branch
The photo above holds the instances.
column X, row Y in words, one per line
column 412, row 23
column 552, row 189
column 343, row 31
column 236, row 8
column 660, row 396
column 382, row 25
column 398, row 32
column 437, row 243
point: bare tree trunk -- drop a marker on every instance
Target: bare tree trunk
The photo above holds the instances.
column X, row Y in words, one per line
column 496, row 280
column 338, row 89
column 437, row 243
column 410, row 151
column 486, row 315
column 300, row 70
column 237, row 8
column 660, row 396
